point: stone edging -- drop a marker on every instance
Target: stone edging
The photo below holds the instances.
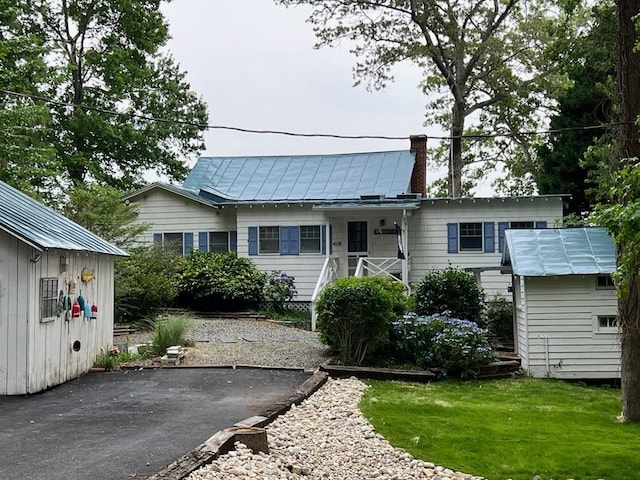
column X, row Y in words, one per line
column 223, row 441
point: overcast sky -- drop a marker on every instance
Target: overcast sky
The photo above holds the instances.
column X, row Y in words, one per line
column 254, row 64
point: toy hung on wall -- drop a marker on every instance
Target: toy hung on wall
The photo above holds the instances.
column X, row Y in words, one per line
column 87, row 275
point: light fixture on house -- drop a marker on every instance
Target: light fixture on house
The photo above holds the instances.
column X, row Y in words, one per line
column 382, row 222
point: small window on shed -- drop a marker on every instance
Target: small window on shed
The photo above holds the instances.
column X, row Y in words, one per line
column 605, row 281
column 607, row 322
column 48, row 299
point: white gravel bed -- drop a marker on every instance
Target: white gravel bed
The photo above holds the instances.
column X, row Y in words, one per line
column 325, row 437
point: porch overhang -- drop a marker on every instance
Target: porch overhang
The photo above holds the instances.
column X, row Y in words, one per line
column 387, row 204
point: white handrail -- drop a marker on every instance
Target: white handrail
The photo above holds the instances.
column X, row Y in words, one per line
column 328, row 274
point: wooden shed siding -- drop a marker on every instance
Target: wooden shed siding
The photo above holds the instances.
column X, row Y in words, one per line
column 562, row 309
column 428, row 234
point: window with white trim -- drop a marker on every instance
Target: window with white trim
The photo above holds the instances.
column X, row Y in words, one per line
column 520, row 225
column 173, row 242
column 269, row 240
column 471, row 237
column 48, row 299
column 310, row 239
column 607, row 323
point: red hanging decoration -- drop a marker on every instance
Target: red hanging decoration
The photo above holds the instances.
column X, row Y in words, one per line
column 75, row 310
column 94, row 311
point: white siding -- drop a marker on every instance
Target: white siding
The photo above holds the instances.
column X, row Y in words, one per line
column 562, row 326
column 305, row 267
column 428, row 233
column 167, row 212
column 36, row 355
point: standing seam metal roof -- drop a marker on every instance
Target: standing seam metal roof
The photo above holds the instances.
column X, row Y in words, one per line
column 304, row 177
column 559, row 251
column 40, row 226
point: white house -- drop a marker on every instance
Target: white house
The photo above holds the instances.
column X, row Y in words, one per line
column 565, row 304
column 49, row 266
column 317, row 217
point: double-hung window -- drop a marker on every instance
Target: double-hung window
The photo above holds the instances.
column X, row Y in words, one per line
column 310, row 241
column 180, row 243
column 471, row 237
column 218, row 242
column 269, row 240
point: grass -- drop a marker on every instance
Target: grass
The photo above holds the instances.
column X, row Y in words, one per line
column 168, row 331
column 509, row 429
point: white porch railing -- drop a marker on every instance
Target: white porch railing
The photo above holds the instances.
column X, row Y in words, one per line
column 387, row 267
column 328, row 275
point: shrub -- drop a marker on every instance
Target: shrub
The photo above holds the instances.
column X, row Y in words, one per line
column 220, row 281
column 353, row 317
column 450, row 290
column 169, row 331
column 440, row 341
column 145, row 283
column 279, row 290
column 500, row 317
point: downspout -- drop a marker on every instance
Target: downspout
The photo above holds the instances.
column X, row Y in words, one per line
column 405, row 241
column 546, row 355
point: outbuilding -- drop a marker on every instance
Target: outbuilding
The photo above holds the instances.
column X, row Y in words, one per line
column 565, row 303
column 56, row 295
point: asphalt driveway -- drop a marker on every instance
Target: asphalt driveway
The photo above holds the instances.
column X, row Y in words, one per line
column 130, row 424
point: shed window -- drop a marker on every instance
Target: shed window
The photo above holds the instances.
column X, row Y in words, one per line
column 48, row 299
column 471, row 237
column 269, row 239
column 605, row 282
column 607, row 322
column 310, row 239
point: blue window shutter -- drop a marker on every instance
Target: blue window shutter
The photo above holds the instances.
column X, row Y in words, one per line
column 233, row 241
column 489, row 237
column 330, row 238
column 203, row 241
column 188, row 243
column 157, row 238
column 541, row 224
column 323, row 239
column 289, row 240
column 452, row 238
column 502, row 226
column 253, row 240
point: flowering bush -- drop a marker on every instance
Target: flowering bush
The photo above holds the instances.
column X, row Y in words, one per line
column 440, row 341
column 279, row 290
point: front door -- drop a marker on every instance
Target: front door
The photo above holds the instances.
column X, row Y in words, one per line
column 357, row 244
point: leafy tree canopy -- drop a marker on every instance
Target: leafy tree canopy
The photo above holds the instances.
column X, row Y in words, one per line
column 487, row 64
column 108, row 74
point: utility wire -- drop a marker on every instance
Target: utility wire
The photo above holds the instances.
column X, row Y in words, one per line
column 304, row 135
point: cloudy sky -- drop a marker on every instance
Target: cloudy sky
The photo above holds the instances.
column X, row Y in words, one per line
column 254, row 64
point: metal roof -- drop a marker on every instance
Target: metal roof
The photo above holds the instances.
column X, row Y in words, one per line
column 302, row 177
column 39, row 226
column 559, row 251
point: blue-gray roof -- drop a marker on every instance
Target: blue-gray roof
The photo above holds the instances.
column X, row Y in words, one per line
column 559, row 251
column 39, row 226
column 302, row 177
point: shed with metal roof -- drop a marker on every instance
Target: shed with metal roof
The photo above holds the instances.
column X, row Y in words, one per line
column 56, row 295
column 565, row 303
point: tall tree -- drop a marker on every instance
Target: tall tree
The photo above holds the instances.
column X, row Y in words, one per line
column 109, row 56
column 483, row 60
column 622, row 216
column 586, row 102
column 26, row 161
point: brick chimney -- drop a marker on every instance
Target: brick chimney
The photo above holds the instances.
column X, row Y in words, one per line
column 419, row 174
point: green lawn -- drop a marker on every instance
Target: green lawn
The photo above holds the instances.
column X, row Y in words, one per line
column 503, row 429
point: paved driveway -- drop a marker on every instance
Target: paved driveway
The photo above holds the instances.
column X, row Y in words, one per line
column 130, row 424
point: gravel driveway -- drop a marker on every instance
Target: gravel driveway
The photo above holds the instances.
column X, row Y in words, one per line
column 247, row 342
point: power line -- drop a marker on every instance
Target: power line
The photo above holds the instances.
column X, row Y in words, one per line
column 304, row 135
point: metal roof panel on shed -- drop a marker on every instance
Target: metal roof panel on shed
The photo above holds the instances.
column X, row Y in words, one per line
column 43, row 228
column 559, row 251
column 304, row 177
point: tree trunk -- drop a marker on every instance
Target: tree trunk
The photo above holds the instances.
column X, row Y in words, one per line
column 628, row 89
column 455, row 162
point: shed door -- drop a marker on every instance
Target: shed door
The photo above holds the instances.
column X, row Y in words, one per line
column 357, row 243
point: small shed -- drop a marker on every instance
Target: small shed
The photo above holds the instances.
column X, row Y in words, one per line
column 565, row 304
column 56, row 295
